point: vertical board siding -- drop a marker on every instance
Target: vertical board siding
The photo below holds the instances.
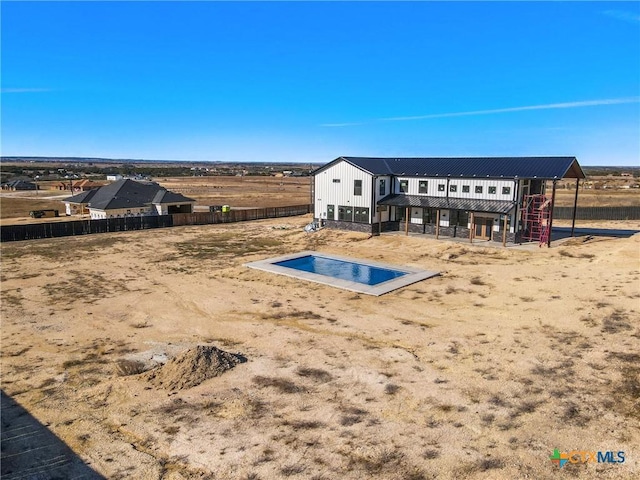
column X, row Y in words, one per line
column 433, row 182
column 329, row 193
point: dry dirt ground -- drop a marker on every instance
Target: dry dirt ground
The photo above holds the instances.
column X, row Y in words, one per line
column 479, row 373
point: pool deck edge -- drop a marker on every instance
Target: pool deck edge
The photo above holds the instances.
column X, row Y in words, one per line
column 413, row 274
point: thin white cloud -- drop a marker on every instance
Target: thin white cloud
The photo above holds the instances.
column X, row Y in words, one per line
column 623, row 15
column 24, row 90
column 548, row 106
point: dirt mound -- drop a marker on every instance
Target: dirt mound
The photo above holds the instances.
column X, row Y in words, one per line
column 192, row 367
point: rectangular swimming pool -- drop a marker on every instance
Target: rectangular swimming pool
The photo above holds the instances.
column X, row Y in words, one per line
column 362, row 276
column 350, row 271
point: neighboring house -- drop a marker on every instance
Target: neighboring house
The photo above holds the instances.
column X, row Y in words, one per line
column 79, row 185
column 501, row 199
column 114, row 178
column 128, row 198
column 14, row 185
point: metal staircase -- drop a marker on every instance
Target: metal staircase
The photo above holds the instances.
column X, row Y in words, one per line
column 536, row 213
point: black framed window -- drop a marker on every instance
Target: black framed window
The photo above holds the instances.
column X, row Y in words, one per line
column 357, row 187
column 383, row 187
column 429, row 216
column 478, row 188
column 453, row 188
column 441, row 187
column 492, row 190
column 422, row 186
column 336, row 180
column 459, row 218
column 345, row 213
column 465, row 188
column 361, row 215
column 404, row 186
column 506, row 190
column 331, row 214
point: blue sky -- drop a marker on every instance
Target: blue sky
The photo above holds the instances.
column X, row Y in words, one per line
column 310, row 81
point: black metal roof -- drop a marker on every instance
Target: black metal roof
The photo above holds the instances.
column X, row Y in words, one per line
column 471, row 205
column 545, row 168
column 129, row 194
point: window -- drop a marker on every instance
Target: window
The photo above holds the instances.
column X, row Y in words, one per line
column 453, row 188
column 336, row 180
column 478, row 188
column 492, row 190
column 429, row 216
column 357, row 187
column 506, row 190
column 404, row 186
column 459, row 218
column 465, row 188
column 330, row 212
column 383, row 187
column 441, row 187
column 361, row 215
column 345, row 214
column 422, row 186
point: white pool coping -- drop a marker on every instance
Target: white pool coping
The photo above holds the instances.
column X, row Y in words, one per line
column 413, row 275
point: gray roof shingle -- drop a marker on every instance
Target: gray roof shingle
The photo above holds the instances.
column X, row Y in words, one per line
column 128, row 194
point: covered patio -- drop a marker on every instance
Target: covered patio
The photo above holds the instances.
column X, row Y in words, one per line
column 452, row 217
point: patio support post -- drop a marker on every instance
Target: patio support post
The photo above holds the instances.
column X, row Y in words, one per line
column 437, row 223
column 473, row 226
column 575, row 207
column 504, row 231
column 406, row 221
column 553, row 201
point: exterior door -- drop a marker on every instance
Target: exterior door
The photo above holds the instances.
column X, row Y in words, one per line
column 483, row 227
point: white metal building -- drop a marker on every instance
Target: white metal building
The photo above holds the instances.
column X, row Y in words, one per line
column 491, row 198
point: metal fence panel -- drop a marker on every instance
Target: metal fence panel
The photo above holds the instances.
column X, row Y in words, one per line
column 598, row 213
column 11, row 233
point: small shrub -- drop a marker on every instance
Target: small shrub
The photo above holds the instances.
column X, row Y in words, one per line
column 281, row 384
column 304, row 425
column 430, row 454
column 348, row 420
column 317, row 374
column 615, row 322
column 391, row 389
column 477, row 281
column 171, row 430
column 295, row 469
column 490, row 464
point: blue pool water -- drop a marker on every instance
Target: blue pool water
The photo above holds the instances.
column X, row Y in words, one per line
column 353, row 272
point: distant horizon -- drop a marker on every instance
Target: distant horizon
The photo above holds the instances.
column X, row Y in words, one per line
column 296, row 82
column 145, row 160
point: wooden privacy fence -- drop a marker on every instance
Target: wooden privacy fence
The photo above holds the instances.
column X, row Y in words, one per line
column 11, row 233
column 206, row 218
column 598, row 213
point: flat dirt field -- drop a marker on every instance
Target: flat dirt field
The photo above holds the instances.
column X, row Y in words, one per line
column 479, row 373
column 253, row 191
